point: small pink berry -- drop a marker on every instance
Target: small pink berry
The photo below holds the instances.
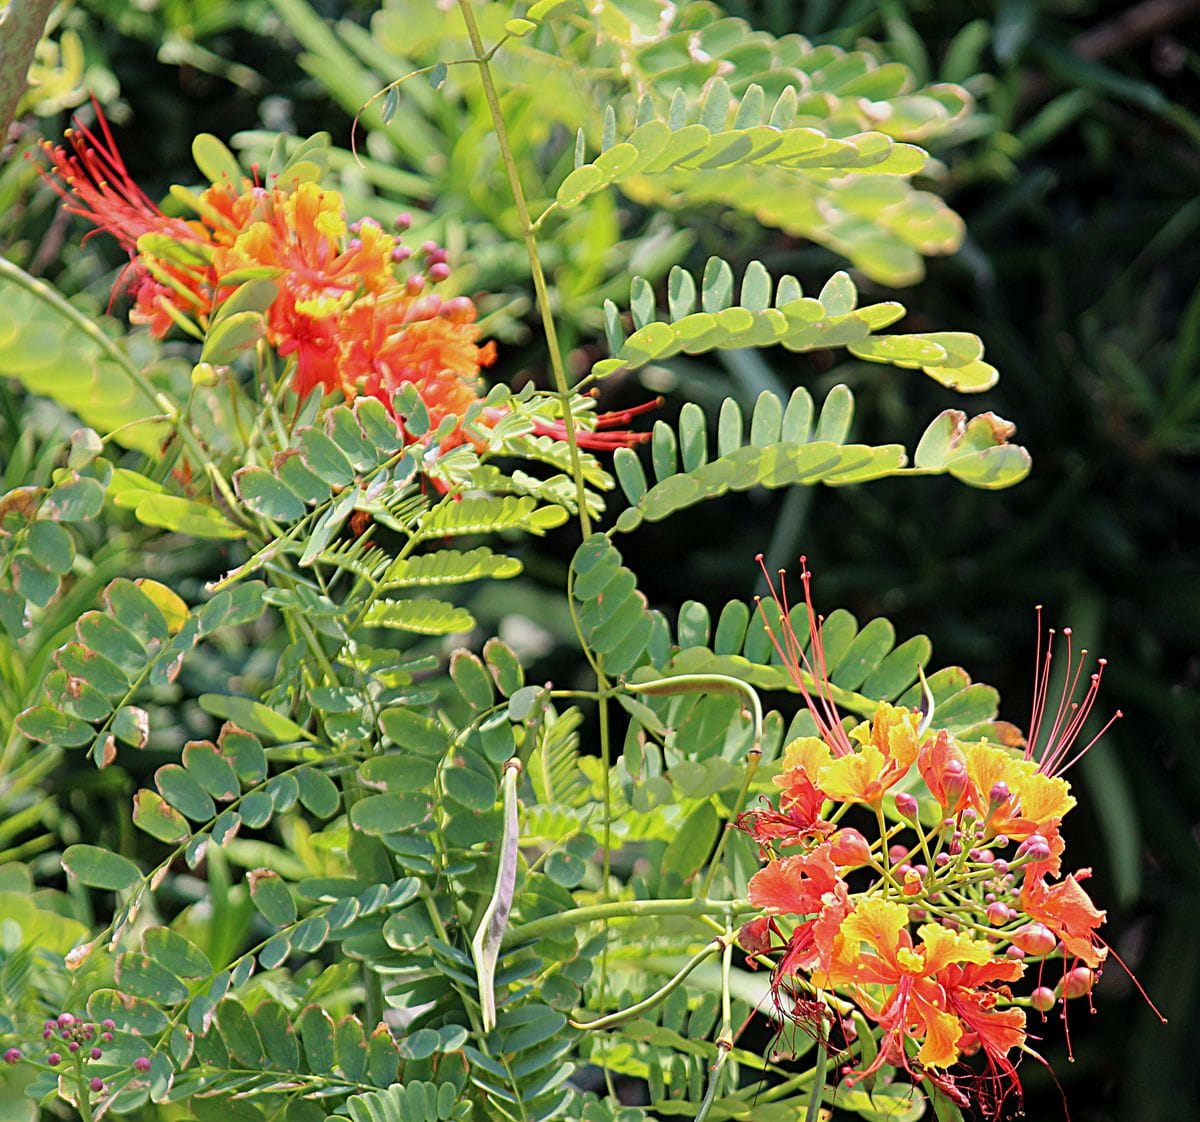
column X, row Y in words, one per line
column 142, row 1063
column 12, row 1056
column 96, row 1083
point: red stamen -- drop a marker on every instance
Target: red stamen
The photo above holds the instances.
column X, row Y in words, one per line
column 1055, row 755
column 819, row 698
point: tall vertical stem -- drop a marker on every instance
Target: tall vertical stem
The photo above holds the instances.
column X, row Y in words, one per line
column 535, row 264
column 560, row 384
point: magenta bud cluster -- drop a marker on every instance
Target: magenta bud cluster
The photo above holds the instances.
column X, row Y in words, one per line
column 72, row 1037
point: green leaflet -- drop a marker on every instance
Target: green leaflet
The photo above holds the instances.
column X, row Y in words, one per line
column 765, row 315
column 786, row 447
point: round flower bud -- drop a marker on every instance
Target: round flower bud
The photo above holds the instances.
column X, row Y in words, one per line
column 205, row 374
column 1042, row 999
column 106, row 1037
column 108, row 1024
column 12, row 1056
column 65, row 1020
column 897, row 853
column 1014, row 952
column 54, row 1059
column 849, row 849
column 1078, row 982
column 73, row 1047
column 1035, row 939
column 96, row 1053
column 997, row 914
column 96, row 1083
column 906, row 805
column 142, row 1063
column 999, row 793
column 403, row 221
column 1035, row 847
column 439, row 271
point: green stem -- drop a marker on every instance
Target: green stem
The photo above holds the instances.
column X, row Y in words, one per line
column 817, row 1093
column 716, row 683
column 535, row 265
column 624, row 909
column 658, row 995
column 82, row 1092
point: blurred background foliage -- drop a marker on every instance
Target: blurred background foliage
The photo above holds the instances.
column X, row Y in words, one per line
column 1078, row 178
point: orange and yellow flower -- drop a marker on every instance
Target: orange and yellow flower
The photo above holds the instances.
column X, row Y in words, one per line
column 347, row 317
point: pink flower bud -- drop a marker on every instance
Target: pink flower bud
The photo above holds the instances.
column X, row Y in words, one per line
column 1078, row 982
column 108, row 1024
column 1035, row 847
column 96, row 1053
column 12, row 1056
column 403, row 221
column 997, row 914
column 906, row 805
column 849, row 849
column 999, row 793
column 96, row 1083
column 439, row 271
column 142, row 1063
column 1035, row 939
column 65, row 1019
column 54, row 1059
column 1042, row 999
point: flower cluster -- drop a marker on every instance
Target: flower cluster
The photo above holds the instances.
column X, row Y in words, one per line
column 355, row 310
column 918, row 876
column 81, row 1041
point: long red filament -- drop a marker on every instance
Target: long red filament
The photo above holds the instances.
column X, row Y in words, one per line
column 819, row 698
